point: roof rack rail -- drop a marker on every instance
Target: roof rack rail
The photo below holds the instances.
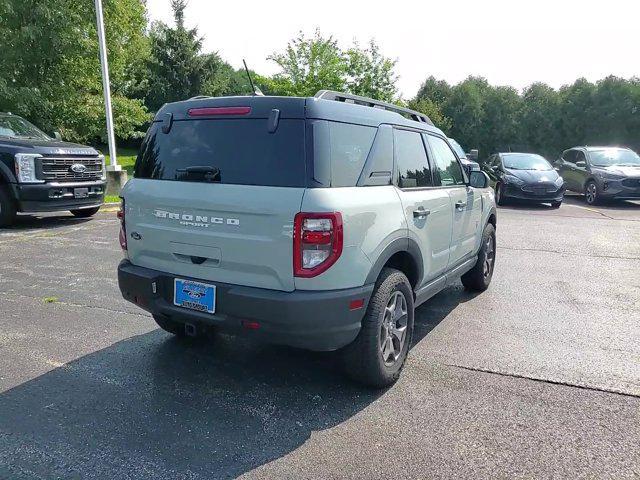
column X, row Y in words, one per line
column 370, row 102
column 200, row 97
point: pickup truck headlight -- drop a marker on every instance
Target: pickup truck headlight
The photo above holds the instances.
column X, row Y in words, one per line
column 26, row 167
column 103, row 176
column 512, row 180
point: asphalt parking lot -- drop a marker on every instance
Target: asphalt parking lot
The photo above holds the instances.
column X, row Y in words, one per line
column 537, row 377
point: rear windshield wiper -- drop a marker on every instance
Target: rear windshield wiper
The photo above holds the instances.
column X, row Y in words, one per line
column 199, row 174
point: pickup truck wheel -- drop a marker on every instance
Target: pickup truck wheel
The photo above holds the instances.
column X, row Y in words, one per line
column 168, row 325
column 7, row 207
column 479, row 277
column 378, row 354
column 85, row 212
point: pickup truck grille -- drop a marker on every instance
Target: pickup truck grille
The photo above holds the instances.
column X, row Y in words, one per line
column 69, row 168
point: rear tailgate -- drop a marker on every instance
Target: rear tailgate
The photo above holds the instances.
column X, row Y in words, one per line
column 215, row 195
column 241, row 234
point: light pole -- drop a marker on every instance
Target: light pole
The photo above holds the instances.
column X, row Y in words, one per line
column 106, row 87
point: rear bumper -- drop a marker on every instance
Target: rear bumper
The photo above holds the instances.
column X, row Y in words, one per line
column 56, row 197
column 314, row 320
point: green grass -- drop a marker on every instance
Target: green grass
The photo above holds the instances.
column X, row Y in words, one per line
column 126, row 157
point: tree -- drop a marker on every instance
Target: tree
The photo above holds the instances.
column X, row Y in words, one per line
column 50, row 71
column 371, row 74
column 465, row 107
column 432, row 110
column 308, row 65
column 179, row 70
column 437, row 91
column 539, row 121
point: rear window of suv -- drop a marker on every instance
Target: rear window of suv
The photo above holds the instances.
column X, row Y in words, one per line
column 239, row 151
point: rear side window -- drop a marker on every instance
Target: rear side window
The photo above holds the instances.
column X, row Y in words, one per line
column 446, row 162
column 340, row 151
column 411, row 160
column 230, row 151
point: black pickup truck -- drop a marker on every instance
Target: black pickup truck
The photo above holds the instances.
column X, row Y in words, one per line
column 43, row 174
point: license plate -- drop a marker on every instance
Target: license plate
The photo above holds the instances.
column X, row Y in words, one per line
column 81, row 192
column 194, row 295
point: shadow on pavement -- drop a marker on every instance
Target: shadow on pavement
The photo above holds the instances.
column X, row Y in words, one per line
column 48, row 222
column 153, row 405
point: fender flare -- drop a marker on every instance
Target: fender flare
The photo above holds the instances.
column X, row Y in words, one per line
column 6, row 174
column 407, row 245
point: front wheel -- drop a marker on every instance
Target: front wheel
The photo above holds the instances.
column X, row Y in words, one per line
column 376, row 357
column 479, row 277
column 556, row 204
column 591, row 194
column 85, row 212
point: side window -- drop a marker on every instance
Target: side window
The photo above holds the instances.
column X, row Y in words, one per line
column 447, row 164
column 350, row 145
column 411, row 160
column 570, row 156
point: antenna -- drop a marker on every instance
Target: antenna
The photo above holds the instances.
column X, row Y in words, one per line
column 256, row 91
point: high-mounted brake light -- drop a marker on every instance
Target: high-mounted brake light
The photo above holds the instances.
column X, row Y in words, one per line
column 212, row 111
column 122, row 236
column 317, row 242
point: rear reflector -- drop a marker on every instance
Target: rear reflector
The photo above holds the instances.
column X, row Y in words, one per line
column 249, row 325
column 356, row 304
column 209, row 111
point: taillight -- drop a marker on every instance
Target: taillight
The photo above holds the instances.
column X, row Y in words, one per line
column 122, row 236
column 212, row 111
column 317, row 242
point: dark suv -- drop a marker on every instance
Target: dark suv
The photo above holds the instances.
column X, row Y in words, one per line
column 601, row 172
column 42, row 174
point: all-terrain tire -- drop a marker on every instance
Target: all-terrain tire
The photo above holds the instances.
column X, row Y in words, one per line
column 479, row 277
column 363, row 359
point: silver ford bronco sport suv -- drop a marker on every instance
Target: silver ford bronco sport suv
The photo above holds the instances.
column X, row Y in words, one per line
column 320, row 223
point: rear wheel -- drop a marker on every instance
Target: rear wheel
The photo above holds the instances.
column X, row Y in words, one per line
column 378, row 354
column 7, row 207
column 479, row 277
column 500, row 199
column 85, row 212
column 591, row 194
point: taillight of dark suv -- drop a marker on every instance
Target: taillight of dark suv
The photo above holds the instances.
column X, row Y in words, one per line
column 317, row 242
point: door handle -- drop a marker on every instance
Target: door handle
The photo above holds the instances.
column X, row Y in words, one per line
column 460, row 205
column 421, row 213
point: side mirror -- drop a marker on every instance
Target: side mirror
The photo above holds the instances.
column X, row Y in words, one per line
column 581, row 164
column 478, row 179
column 473, row 155
column 57, row 135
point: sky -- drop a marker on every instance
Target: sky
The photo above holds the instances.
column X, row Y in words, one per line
column 514, row 43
